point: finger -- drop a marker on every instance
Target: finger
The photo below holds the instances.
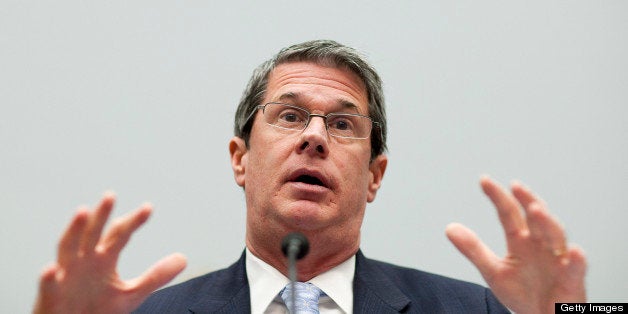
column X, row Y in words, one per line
column 70, row 240
column 468, row 243
column 158, row 275
column 577, row 265
column 546, row 229
column 119, row 234
column 524, row 195
column 526, row 198
column 573, row 283
column 47, row 290
column 47, row 279
column 96, row 223
column 507, row 207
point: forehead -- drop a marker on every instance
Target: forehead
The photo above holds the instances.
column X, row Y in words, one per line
column 309, row 83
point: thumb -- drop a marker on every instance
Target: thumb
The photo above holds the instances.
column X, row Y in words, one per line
column 470, row 245
column 158, row 275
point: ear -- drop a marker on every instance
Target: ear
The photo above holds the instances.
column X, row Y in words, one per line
column 377, row 169
column 238, row 150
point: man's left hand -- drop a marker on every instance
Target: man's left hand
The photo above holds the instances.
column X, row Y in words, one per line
column 540, row 268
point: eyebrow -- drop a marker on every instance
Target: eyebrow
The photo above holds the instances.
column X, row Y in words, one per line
column 294, row 97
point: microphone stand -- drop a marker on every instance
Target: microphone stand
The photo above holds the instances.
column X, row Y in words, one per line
column 294, row 246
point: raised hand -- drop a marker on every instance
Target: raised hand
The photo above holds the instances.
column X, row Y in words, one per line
column 539, row 268
column 84, row 278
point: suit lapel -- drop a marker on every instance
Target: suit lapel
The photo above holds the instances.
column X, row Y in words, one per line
column 227, row 293
column 373, row 292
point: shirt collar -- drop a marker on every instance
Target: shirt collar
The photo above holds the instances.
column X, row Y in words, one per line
column 265, row 282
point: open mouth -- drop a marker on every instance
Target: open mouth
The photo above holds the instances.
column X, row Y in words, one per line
column 313, row 178
column 310, row 180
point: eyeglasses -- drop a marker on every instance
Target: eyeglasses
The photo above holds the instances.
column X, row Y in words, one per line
column 290, row 117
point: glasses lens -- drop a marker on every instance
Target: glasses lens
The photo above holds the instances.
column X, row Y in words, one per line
column 349, row 125
column 285, row 116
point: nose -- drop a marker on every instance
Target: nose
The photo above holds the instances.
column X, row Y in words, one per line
column 314, row 140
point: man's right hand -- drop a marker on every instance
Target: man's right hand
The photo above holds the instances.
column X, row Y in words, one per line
column 84, row 278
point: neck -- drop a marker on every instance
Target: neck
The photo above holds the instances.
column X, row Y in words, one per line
column 326, row 252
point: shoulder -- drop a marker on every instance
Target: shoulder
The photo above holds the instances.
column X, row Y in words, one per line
column 414, row 278
column 212, row 290
column 425, row 291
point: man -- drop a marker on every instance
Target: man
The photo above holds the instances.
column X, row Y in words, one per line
column 309, row 153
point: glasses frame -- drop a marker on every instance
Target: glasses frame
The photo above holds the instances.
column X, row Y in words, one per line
column 309, row 118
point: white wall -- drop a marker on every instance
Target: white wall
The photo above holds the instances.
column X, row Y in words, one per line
column 138, row 97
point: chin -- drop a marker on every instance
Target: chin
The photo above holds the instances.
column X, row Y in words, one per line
column 305, row 215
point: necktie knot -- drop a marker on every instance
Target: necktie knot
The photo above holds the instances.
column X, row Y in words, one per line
column 306, row 297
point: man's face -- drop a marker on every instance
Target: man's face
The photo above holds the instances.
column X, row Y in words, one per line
column 308, row 180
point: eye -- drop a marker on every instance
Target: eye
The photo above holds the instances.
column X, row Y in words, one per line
column 341, row 123
column 291, row 116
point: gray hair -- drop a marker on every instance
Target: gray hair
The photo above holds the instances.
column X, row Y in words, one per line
column 323, row 52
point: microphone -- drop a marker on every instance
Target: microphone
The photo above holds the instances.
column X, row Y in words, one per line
column 294, row 246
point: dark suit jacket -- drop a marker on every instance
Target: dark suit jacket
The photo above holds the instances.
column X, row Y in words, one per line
column 377, row 288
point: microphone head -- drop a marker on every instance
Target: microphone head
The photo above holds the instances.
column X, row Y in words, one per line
column 295, row 241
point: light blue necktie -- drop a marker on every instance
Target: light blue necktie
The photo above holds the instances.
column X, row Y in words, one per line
column 306, row 297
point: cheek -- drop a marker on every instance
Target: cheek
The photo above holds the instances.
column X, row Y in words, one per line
column 264, row 161
column 355, row 177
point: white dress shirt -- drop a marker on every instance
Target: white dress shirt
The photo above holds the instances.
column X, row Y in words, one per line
column 265, row 283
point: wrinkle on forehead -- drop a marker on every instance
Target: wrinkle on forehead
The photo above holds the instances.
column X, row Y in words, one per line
column 342, row 104
column 306, row 80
